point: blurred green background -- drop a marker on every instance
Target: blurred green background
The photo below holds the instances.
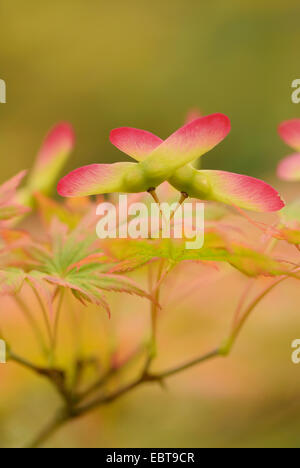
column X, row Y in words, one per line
column 101, row 65
column 104, row 64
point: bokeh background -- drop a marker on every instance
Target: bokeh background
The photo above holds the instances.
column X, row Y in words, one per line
column 101, row 65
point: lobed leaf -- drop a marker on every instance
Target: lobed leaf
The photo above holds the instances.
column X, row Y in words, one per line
column 244, row 259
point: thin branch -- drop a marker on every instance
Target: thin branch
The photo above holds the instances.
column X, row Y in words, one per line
column 154, row 195
column 108, row 375
column 251, row 307
column 76, row 412
column 44, row 312
column 33, row 323
column 24, row 362
column 56, row 322
column 183, row 367
column 154, row 311
column 268, row 247
column 145, row 378
column 228, row 344
column 184, row 196
column 56, row 376
column 242, row 301
column 261, row 226
column 50, row 429
column 107, row 399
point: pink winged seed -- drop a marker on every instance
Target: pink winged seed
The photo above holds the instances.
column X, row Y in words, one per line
column 92, row 179
column 243, row 191
column 136, row 143
column 289, row 168
column 8, row 189
column 290, row 133
column 196, row 138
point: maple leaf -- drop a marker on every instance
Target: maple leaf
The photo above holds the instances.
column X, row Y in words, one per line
column 75, row 262
column 130, row 255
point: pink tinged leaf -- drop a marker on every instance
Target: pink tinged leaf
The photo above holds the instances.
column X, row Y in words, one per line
column 97, row 300
column 8, row 212
column 94, row 179
column 243, row 191
column 290, row 133
column 90, row 259
column 131, row 264
column 8, row 189
column 123, row 284
column 289, row 168
column 187, row 144
column 138, row 144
